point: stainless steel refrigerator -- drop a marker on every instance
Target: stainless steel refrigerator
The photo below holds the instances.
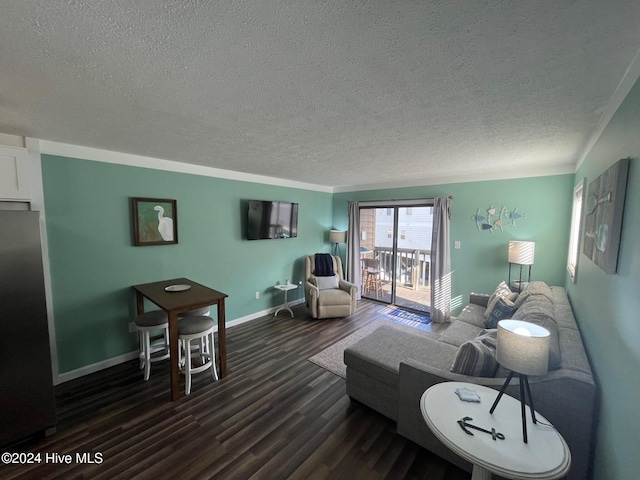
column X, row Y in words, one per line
column 27, row 400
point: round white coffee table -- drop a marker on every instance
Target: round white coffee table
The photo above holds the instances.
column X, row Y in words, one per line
column 546, row 456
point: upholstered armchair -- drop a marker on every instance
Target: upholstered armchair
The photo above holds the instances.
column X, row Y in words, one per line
column 328, row 297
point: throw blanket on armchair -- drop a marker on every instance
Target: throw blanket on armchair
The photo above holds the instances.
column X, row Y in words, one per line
column 324, row 265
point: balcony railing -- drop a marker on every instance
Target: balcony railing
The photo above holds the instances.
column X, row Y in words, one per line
column 412, row 266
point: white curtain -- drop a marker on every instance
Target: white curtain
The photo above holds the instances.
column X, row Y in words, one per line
column 441, row 261
column 353, row 246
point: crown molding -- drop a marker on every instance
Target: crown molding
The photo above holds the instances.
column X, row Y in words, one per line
column 107, row 156
column 629, row 79
column 482, row 177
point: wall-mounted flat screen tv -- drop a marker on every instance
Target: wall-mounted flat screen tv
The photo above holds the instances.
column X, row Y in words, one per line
column 267, row 220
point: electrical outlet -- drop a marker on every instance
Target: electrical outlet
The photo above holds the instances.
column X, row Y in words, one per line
column 257, row 295
column 132, row 327
column 456, row 245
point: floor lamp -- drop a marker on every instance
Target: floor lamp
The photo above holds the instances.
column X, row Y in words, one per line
column 521, row 253
column 523, row 348
column 337, row 237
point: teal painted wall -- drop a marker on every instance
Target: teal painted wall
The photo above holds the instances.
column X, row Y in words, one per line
column 94, row 262
column 607, row 306
column 481, row 263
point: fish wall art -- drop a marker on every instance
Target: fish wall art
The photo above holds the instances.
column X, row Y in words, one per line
column 603, row 216
column 496, row 219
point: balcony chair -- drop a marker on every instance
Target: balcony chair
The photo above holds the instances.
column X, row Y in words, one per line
column 372, row 280
column 328, row 297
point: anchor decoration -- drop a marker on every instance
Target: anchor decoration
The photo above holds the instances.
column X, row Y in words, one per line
column 465, row 425
column 497, row 219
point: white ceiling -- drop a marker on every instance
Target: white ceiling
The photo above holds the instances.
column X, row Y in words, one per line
column 332, row 93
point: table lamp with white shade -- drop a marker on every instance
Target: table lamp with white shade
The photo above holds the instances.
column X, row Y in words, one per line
column 523, row 348
column 521, row 253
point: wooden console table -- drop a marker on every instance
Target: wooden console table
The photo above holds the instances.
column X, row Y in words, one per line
column 178, row 302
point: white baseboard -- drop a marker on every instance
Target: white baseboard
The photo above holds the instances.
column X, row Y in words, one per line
column 95, row 367
column 110, row 362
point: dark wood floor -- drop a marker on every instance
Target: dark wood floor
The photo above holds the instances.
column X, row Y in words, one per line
column 275, row 416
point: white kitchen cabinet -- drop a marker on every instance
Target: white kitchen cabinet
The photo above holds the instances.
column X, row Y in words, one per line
column 14, row 173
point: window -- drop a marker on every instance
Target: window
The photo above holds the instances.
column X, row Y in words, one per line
column 403, row 234
column 389, row 233
column 409, row 211
column 574, row 235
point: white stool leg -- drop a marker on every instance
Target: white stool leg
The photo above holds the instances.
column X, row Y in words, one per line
column 147, row 355
column 206, row 344
column 212, row 353
column 187, row 367
column 141, row 349
column 203, row 350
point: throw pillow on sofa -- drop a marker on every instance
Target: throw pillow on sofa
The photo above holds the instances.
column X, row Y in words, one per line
column 503, row 309
column 501, row 291
column 477, row 357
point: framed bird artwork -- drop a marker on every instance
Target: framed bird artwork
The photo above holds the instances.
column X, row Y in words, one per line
column 155, row 221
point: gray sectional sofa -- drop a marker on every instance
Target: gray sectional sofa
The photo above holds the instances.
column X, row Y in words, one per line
column 389, row 369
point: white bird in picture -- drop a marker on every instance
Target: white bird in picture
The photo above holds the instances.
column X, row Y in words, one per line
column 165, row 224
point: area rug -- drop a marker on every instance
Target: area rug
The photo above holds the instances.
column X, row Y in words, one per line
column 410, row 317
column 332, row 358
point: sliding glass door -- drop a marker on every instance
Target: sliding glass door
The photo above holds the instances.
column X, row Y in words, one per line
column 395, row 245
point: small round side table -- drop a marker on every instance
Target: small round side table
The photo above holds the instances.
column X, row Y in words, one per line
column 285, row 288
column 546, row 456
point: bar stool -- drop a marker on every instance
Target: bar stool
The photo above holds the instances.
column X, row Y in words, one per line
column 149, row 351
column 196, row 328
column 198, row 312
column 372, row 276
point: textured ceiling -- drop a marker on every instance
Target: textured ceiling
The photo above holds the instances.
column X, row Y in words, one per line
column 335, row 93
